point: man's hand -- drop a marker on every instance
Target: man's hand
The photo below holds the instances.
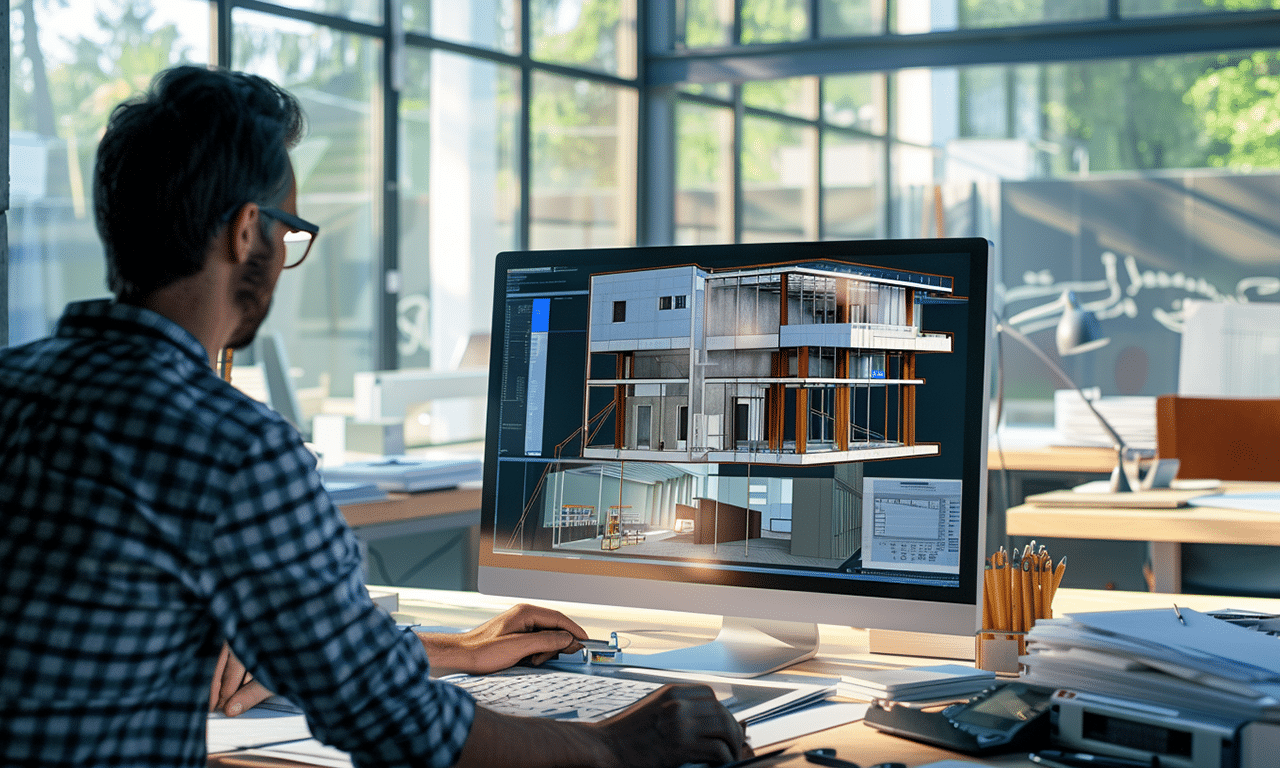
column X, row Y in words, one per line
column 523, row 633
column 674, row 725
column 234, row 690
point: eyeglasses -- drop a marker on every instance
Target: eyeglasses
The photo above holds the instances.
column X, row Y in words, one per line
column 298, row 240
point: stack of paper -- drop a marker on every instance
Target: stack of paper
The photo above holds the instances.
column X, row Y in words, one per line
column 353, row 493
column 1134, row 417
column 407, row 473
column 1178, row 658
column 943, row 681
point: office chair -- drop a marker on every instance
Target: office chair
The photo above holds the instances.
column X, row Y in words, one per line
column 1226, row 439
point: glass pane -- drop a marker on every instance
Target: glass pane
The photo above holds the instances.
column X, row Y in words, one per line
column 779, row 189
column 583, row 163
column 598, row 34
column 1162, row 7
column 459, row 128
column 855, row 101
column 1138, row 203
column 1007, row 13
column 716, row 90
column 915, row 16
column 708, row 23
column 795, row 96
column 359, row 10
column 704, row 174
column 852, row 187
column 847, row 18
column 325, row 308
column 487, row 23
column 80, row 61
column 774, row 21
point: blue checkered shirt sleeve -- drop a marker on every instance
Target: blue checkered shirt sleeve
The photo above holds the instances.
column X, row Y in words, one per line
column 285, row 585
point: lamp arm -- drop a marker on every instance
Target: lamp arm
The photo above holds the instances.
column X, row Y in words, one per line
column 1021, row 338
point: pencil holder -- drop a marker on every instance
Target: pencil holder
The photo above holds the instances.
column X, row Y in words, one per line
column 999, row 651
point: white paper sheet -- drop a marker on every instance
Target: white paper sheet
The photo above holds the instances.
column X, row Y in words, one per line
column 811, row 719
column 255, row 728
column 1257, row 502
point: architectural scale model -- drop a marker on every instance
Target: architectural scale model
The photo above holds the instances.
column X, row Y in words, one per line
column 803, row 363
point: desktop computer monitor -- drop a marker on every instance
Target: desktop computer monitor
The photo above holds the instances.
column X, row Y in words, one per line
column 783, row 434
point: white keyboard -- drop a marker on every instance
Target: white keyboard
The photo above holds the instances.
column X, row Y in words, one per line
column 557, row 695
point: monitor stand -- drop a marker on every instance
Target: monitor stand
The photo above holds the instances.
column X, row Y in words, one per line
column 743, row 648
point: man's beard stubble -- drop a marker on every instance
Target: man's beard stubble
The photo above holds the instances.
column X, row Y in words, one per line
column 253, row 297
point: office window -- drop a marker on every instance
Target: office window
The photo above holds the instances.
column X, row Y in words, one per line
column 680, row 301
column 774, row 21
column 855, row 101
column 325, row 309
column 853, row 186
column 1165, row 7
column 1008, row 13
column 664, row 302
column 594, row 34
column 619, row 311
column 486, row 23
column 704, row 174
column 358, row 10
column 1137, row 203
column 779, row 186
column 81, row 59
column 459, row 128
column 847, row 18
column 583, row 163
column 706, row 23
column 796, row 96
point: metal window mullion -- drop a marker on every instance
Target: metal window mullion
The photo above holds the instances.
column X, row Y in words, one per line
column 525, row 161
column 386, row 347
column 736, row 148
column 221, row 13
column 339, row 23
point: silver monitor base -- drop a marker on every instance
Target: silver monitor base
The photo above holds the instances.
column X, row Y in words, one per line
column 743, row 648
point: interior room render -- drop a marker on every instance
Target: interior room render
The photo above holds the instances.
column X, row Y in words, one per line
column 691, row 512
column 799, row 364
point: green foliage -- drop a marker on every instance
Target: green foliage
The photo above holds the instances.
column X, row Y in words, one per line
column 705, row 25
column 591, row 40
column 774, row 21
column 105, row 70
column 1238, row 105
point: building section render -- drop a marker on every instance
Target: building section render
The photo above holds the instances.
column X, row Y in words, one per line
column 804, row 363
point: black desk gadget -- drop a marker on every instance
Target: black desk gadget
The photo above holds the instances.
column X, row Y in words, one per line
column 1006, row 718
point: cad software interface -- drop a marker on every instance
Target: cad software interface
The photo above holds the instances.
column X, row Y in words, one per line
column 711, row 415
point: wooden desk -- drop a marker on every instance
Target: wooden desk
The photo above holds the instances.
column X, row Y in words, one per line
column 1166, row 529
column 1052, row 458
column 843, row 649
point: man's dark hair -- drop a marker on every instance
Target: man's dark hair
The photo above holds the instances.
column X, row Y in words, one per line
column 177, row 162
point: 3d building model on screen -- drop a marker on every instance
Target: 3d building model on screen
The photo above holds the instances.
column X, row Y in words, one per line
column 796, row 364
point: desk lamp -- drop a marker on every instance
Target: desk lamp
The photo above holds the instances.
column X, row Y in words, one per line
column 1078, row 331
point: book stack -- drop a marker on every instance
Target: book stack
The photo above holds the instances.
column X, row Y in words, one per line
column 406, row 474
column 934, row 683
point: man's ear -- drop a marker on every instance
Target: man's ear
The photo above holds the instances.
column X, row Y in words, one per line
column 242, row 230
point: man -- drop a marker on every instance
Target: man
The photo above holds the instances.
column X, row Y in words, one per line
column 149, row 512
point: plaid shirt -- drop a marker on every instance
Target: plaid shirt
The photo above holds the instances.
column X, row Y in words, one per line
column 148, row 510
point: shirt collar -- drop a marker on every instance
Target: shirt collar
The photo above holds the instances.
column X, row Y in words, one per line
column 107, row 318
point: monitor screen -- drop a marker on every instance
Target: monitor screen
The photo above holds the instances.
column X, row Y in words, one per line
column 788, row 432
